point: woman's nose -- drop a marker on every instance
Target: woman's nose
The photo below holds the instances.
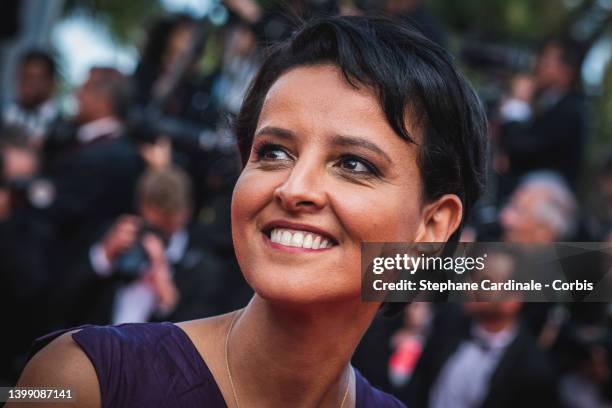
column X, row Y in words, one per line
column 303, row 190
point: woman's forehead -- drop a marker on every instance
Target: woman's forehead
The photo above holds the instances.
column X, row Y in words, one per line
column 320, row 88
column 318, row 100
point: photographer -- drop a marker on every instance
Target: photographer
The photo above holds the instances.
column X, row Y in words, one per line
column 543, row 121
column 150, row 266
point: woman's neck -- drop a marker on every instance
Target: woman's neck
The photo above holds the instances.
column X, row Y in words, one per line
column 288, row 356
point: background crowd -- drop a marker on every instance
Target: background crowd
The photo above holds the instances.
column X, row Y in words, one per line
column 116, row 209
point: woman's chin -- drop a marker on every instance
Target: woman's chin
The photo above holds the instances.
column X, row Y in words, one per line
column 303, row 292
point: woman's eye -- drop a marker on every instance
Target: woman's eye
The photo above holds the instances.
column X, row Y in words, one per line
column 276, row 154
column 272, row 153
column 356, row 165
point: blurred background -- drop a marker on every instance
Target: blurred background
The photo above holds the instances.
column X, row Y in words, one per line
column 117, row 163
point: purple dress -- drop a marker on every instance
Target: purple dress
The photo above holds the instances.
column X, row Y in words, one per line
column 157, row 365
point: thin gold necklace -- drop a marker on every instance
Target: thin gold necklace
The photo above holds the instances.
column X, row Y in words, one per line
column 229, row 372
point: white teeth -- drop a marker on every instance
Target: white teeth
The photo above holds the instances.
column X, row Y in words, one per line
column 299, row 239
column 286, row 238
column 307, row 242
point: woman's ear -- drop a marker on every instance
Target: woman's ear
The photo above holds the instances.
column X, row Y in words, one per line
column 441, row 218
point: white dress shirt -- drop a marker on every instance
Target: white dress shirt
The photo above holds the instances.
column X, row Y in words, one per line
column 464, row 379
column 36, row 121
column 109, row 127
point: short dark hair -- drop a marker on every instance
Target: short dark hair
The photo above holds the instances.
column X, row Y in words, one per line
column 409, row 74
column 159, row 35
column 41, row 57
column 572, row 53
column 114, row 85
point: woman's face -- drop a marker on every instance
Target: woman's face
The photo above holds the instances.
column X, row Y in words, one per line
column 326, row 173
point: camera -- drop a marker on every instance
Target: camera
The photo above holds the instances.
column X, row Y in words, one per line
column 134, row 262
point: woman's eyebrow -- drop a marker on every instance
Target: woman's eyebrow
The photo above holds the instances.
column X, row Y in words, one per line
column 338, row 140
column 276, row 131
column 341, row 140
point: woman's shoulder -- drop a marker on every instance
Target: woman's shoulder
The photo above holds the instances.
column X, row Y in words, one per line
column 369, row 396
column 63, row 364
column 136, row 364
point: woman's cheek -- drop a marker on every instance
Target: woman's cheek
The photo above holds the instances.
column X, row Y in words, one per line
column 374, row 217
column 246, row 200
column 251, row 193
column 238, row 202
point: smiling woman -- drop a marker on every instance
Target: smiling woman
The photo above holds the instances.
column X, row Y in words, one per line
column 356, row 130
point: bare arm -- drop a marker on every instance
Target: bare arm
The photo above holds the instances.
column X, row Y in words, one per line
column 62, row 364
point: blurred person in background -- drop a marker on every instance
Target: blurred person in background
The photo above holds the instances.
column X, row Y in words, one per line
column 542, row 209
column 23, row 256
column 240, row 62
column 168, row 40
column 90, row 162
column 34, row 107
column 149, row 266
column 480, row 354
column 543, row 121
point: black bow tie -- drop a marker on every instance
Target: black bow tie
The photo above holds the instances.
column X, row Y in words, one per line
column 480, row 342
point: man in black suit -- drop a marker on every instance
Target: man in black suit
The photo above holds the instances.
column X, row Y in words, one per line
column 151, row 266
column 91, row 164
column 481, row 356
column 543, row 122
